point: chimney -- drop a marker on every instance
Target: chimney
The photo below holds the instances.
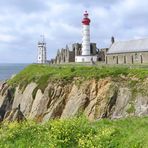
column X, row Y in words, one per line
column 112, row 39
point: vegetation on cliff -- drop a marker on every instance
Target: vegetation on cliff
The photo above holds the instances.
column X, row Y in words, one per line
column 76, row 132
column 41, row 74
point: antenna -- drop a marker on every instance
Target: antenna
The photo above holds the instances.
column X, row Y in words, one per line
column 42, row 38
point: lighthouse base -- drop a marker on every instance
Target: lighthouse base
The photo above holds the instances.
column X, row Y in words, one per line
column 85, row 58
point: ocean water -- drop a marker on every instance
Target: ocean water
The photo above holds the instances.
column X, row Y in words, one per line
column 7, row 70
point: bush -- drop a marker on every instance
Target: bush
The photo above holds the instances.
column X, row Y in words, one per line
column 76, row 132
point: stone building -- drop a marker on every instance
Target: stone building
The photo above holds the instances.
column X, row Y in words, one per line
column 128, row 52
column 64, row 56
column 101, row 54
column 67, row 55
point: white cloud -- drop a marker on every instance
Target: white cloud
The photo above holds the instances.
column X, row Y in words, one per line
column 7, row 38
column 22, row 23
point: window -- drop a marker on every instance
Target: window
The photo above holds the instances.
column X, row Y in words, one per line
column 141, row 58
column 132, row 59
column 124, row 59
column 99, row 59
column 117, row 59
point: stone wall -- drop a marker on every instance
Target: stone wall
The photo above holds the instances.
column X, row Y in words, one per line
column 101, row 54
column 127, row 58
column 76, row 47
column 71, row 56
column 64, row 56
column 93, row 49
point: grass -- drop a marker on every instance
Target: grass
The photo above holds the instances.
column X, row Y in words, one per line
column 41, row 74
column 76, row 132
column 131, row 109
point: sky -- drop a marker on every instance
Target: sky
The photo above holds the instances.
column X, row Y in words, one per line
column 22, row 22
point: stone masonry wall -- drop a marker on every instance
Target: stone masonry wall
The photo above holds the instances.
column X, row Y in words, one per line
column 127, row 58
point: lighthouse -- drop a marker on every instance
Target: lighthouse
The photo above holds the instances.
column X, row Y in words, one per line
column 85, row 51
column 42, row 59
column 86, row 35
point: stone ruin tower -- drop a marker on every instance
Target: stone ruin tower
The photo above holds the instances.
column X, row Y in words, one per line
column 42, row 58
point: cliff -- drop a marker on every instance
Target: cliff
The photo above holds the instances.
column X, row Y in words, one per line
column 44, row 93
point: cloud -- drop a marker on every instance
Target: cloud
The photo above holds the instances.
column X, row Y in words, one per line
column 7, row 38
column 22, row 23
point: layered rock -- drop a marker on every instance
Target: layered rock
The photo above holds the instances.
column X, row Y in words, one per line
column 104, row 98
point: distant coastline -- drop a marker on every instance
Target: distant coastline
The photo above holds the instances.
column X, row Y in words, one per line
column 9, row 69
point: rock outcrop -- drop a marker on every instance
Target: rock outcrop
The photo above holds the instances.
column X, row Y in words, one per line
column 14, row 115
column 104, row 98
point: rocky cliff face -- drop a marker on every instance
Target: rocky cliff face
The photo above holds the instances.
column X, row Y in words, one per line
column 104, row 98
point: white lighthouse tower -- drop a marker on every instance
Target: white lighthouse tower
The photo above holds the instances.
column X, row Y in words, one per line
column 86, row 55
column 86, row 35
column 42, row 59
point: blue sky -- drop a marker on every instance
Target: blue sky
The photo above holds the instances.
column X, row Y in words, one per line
column 23, row 21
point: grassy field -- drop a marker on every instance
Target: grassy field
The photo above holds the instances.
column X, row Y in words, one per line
column 76, row 132
column 43, row 73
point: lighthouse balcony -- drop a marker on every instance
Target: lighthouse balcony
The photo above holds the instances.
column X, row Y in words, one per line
column 85, row 59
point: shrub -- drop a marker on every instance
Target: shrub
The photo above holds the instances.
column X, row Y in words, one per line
column 76, row 132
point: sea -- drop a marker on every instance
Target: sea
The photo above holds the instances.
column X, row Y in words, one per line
column 9, row 70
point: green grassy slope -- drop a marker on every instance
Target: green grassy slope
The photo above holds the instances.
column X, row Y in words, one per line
column 76, row 132
column 42, row 73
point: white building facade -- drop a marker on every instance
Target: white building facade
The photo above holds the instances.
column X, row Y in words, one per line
column 42, row 58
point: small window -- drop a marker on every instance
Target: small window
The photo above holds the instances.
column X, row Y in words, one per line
column 124, row 59
column 99, row 59
column 117, row 59
column 141, row 58
column 132, row 59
